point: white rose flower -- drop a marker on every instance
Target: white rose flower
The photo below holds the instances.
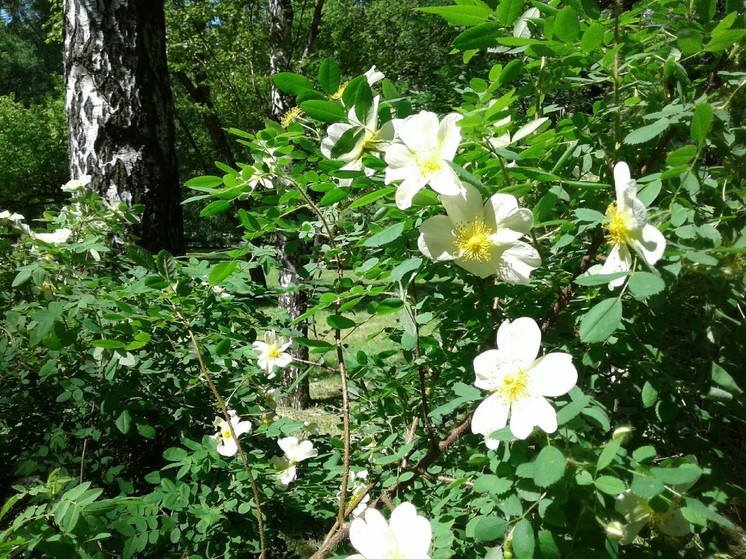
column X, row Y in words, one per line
column 406, row 536
column 482, row 238
column 226, row 443
column 638, row 514
column 628, row 227
column 272, row 352
column 16, row 218
column 55, row 237
column 295, row 452
column 76, row 185
column 422, row 154
column 357, row 483
column 373, row 76
column 519, row 382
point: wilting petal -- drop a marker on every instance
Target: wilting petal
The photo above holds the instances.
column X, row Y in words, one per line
column 519, row 340
column 490, row 416
column 552, row 375
column 413, row 532
column 437, row 238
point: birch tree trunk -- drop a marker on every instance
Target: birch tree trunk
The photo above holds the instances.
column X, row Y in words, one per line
column 120, row 112
column 294, row 301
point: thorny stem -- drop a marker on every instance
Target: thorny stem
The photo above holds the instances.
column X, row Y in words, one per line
column 227, row 417
column 422, row 374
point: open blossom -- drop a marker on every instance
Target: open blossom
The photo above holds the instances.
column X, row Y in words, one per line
column 519, row 382
column 76, row 185
column 226, row 443
column 406, row 536
column 370, row 138
column 628, row 227
column 421, row 156
column 295, row 452
column 56, row 237
column 482, row 238
column 272, row 352
column 638, row 513
column 357, row 484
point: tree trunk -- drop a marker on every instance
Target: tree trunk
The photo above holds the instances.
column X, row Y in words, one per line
column 294, row 302
column 120, row 113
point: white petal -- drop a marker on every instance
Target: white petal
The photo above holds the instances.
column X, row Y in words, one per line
column 288, row 475
column 420, row 131
column 437, row 238
column 283, row 360
column 619, row 260
column 371, row 536
column 406, row 191
column 483, row 268
column 529, row 412
column 228, row 447
column 651, row 245
column 502, row 212
column 241, row 427
column 449, row 136
column 627, row 502
column 412, row 532
column 673, row 523
column 520, row 340
column 490, row 416
column 305, row 451
column 631, row 529
column 464, row 207
column 487, row 367
column 398, row 156
column 289, row 446
column 517, row 262
column 445, row 181
column 552, row 375
column 622, row 180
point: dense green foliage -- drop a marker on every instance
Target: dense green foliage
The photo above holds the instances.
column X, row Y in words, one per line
column 108, row 353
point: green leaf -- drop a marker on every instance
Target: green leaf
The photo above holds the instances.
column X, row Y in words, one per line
column 701, row 509
column 324, row 111
column 166, row 265
column 591, row 216
column 216, row 207
column 288, row 82
column 523, row 540
column 372, row 197
column 333, row 196
column 401, row 270
column 681, row 156
column 598, row 279
column 644, row 453
column 608, row 454
column 724, row 39
column 146, row 430
column 721, row 377
column 207, row 181
column 388, row 235
column 549, row 466
column 460, row 14
column 108, row 344
column 601, row 321
column 647, row 133
column 347, row 142
column 649, row 395
column 547, row 546
column 645, row 284
column 480, row 37
column 329, row 76
column 363, row 101
column 686, row 474
column 124, row 421
column 492, row 484
column 508, row 11
column 490, row 528
column 593, row 38
column 701, row 122
column 339, row 322
column 567, row 25
column 646, row 487
column 221, row 271
column 610, row 485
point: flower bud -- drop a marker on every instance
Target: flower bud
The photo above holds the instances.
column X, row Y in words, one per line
column 622, row 433
column 615, row 530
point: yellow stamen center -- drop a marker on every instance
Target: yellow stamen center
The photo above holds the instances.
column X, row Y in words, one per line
column 274, row 352
column 290, row 116
column 473, row 240
column 227, row 434
column 617, row 226
column 431, row 165
column 514, row 386
column 340, row 90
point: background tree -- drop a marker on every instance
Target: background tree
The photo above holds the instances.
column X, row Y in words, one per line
column 120, row 114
